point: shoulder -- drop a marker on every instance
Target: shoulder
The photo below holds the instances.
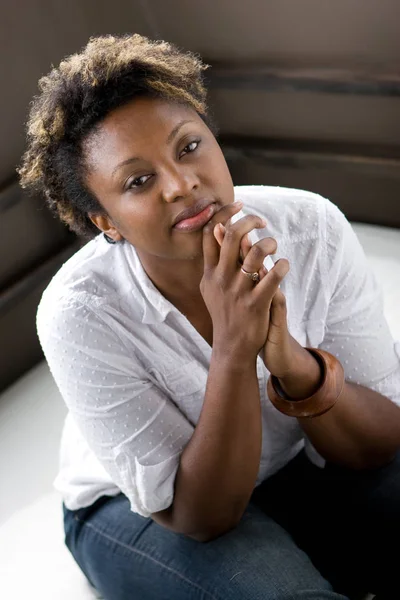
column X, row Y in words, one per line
column 272, row 195
column 80, row 272
column 94, row 273
column 288, row 211
column 94, row 277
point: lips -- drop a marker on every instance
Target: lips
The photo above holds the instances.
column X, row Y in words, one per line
column 192, row 211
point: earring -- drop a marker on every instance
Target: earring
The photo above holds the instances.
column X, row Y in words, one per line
column 108, row 239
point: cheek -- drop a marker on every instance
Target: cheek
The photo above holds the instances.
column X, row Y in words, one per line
column 144, row 226
column 224, row 181
column 220, row 166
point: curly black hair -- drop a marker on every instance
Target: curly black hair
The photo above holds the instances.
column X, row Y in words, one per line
column 109, row 72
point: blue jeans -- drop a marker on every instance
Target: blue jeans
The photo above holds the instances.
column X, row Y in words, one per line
column 307, row 533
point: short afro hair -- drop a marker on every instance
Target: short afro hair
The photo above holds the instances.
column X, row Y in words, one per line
column 110, row 71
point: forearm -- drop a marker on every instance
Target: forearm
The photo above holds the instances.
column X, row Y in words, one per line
column 362, row 430
column 219, row 466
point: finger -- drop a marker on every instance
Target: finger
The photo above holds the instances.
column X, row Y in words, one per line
column 279, row 304
column 278, row 309
column 262, row 272
column 219, row 232
column 230, row 249
column 270, row 283
column 255, row 258
column 211, row 248
column 245, row 245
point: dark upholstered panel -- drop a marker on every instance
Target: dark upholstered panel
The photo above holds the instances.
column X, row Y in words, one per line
column 326, row 117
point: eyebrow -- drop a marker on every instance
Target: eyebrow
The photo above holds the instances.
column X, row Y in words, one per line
column 170, row 138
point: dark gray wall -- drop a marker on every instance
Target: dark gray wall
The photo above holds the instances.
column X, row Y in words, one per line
column 306, row 94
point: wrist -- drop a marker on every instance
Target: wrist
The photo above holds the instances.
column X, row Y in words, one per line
column 322, row 400
column 305, row 377
column 234, row 358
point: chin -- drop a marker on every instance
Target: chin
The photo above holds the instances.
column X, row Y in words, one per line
column 192, row 249
column 194, row 255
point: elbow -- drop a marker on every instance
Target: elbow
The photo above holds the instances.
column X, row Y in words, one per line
column 371, row 460
column 201, row 537
column 218, row 523
column 199, row 527
column 199, row 532
column 210, row 534
column 378, row 461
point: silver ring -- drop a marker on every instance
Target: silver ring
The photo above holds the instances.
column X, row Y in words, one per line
column 254, row 276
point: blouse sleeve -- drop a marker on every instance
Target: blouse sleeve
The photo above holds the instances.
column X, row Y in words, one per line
column 356, row 331
column 134, row 429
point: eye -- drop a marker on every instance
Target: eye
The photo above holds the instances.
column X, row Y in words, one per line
column 138, row 182
column 190, row 147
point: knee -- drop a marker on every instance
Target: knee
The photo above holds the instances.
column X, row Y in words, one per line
column 289, row 585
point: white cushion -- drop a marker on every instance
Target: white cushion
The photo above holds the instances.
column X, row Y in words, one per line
column 382, row 247
column 34, row 562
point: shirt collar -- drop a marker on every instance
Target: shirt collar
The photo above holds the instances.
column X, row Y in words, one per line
column 155, row 306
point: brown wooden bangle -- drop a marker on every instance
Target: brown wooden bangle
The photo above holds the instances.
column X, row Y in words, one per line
column 324, row 398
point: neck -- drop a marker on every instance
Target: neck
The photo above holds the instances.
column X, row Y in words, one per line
column 178, row 281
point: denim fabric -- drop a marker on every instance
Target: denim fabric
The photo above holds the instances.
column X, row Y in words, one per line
column 307, row 533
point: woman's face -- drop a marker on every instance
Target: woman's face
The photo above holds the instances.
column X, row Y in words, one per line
column 147, row 162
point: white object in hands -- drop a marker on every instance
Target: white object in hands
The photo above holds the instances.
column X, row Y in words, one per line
column 268, row 262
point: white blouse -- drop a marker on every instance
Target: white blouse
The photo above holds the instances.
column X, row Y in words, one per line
column 132, row 369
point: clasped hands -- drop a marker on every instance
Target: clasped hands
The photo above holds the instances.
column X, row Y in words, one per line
column 282, row 355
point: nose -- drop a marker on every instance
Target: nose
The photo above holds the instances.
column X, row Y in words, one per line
column 179, row 181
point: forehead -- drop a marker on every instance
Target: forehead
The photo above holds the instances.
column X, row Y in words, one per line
column 134, row 127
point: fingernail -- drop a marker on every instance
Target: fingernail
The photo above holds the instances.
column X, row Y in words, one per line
column 238, row 203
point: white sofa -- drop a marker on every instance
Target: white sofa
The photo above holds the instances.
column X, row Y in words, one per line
column 34, row 563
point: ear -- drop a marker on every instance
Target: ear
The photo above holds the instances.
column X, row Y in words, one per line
column 104, row 224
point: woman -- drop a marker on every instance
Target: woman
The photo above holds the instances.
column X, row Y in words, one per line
column 183, row 475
